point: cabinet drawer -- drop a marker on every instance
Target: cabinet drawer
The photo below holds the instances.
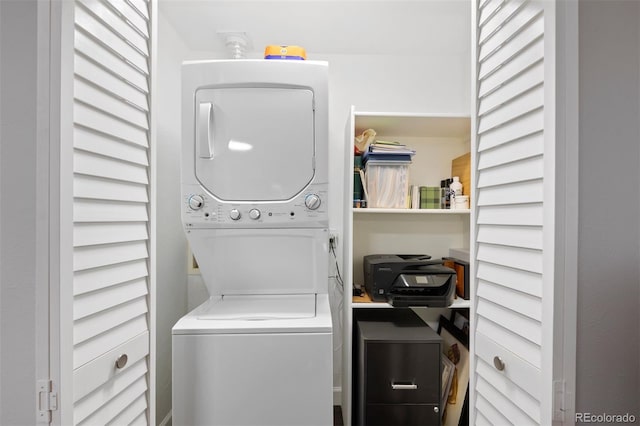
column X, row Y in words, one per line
column 402, row 414
column 402, row 372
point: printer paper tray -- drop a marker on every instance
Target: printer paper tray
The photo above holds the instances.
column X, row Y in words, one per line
column 400, row 301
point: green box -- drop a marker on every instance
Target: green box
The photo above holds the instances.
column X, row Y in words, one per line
column 429, row 197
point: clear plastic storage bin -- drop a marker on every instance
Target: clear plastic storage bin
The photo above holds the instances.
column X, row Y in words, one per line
column 387, row 184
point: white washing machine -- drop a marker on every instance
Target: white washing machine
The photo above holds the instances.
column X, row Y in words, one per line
column 254, row 208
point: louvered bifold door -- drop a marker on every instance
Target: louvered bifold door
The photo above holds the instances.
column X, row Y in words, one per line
column 514, row 228
column 111, row 212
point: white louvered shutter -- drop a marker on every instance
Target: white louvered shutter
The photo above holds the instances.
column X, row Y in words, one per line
column 111, row 212
column 514, row 227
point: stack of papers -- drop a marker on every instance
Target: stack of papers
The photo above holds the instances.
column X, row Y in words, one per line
column 390, row 147
column 388, row 151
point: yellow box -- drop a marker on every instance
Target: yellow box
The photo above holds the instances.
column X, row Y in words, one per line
column 274, row 51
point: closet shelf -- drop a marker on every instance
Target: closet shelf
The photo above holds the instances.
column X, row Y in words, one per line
column 457, row 304
column 410, row 211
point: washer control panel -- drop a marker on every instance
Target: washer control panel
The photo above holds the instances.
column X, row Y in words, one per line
column 203, row 210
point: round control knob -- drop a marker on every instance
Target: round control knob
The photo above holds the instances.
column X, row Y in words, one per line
column 234, row 214
column 312, row 201
column 196, row 202
column 254, row 214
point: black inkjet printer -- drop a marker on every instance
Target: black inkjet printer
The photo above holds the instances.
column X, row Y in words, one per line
column 405, row 280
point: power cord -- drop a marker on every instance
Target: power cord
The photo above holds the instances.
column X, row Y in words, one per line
column 338, row 276
column 338, row 291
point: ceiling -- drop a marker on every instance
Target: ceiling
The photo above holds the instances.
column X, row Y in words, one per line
column 418, row 27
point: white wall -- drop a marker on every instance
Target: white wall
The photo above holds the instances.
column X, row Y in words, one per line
column 18, row 203
column 171, row 273
column 608, row 352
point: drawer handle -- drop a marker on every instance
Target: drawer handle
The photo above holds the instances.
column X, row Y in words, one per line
column 121, row 361
column 404, row 386
column 498, row 363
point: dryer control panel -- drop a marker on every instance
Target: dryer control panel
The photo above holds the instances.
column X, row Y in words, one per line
column 308, row 209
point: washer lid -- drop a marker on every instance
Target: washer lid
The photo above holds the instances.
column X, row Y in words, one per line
column 261, row 307
column 197, row 322
column 254, row 143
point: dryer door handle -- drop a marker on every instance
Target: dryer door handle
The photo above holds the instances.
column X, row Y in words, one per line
column 204, row 130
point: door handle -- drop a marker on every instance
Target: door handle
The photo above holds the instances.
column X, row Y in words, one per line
column 498, row 363
column 204, row 130
column 122, row 361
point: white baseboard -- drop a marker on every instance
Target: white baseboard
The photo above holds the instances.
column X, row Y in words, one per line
column 337, row 396
column 166, row 419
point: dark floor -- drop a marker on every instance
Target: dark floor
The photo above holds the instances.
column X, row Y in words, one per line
column 337, row 415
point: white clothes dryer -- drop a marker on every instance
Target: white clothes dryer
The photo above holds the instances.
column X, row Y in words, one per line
column 254, row 198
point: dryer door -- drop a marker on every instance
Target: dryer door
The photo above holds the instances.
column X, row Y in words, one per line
column 254, row 143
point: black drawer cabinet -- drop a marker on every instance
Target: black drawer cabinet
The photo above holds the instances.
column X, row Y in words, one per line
column 398, row 377
column 402, row 414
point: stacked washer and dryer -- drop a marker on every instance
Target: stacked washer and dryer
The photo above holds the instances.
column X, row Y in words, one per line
column 254, row 209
